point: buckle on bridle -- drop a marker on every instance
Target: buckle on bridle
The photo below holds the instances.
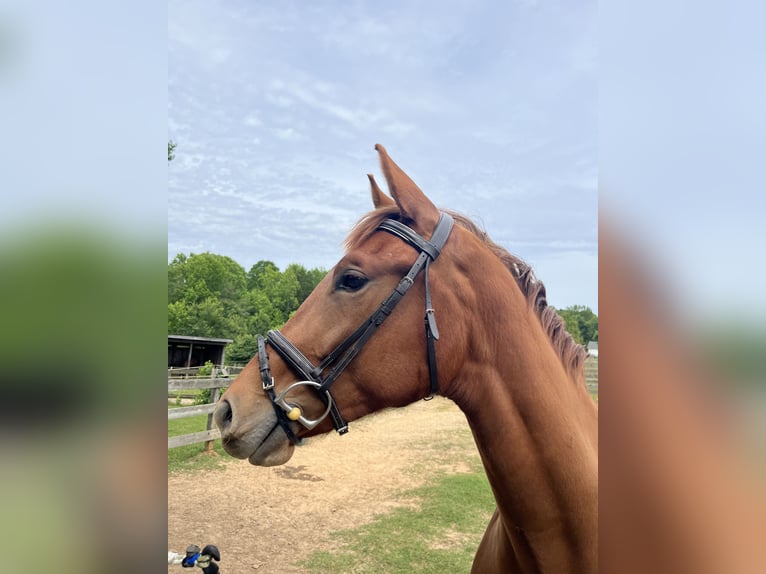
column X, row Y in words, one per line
column 267, row 386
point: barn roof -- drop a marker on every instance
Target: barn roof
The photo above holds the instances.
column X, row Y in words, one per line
column 189, row 339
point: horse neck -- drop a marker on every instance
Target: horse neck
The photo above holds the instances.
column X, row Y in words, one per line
column 537, row 432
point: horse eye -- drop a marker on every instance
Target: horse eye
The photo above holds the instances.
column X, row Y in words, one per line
column 351, row 281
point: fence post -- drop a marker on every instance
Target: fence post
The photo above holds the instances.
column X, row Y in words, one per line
column 214, row 396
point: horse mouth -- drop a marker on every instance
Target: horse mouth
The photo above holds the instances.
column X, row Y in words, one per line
column 273, row 450
column 260, row 439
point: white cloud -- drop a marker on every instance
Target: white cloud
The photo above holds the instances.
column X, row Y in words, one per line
column 399, row 128
column 253, row 121
column 288, row 134
column 279, row 100
column 219, row 55
column 306, row 93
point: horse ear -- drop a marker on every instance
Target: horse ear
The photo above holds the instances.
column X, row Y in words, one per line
column 379, row 199
column 412, row 202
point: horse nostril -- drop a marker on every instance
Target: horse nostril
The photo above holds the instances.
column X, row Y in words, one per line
column 223, row 414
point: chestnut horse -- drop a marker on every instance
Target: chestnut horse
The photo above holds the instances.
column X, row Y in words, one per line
column 499, row 352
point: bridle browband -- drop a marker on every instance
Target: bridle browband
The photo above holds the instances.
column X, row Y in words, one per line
column 322, row 376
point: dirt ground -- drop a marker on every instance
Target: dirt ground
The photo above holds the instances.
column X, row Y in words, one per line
column 265, row 519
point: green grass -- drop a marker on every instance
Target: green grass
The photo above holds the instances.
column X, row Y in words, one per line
column 193, row 456
column 440, row 536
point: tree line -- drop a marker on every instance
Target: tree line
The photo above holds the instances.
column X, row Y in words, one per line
column 212, row 295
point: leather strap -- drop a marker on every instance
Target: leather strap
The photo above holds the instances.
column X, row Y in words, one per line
column 268, row 386
column 432, row 334
column 432, row 248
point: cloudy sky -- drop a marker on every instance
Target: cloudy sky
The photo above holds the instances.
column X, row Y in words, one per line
column 491, row 109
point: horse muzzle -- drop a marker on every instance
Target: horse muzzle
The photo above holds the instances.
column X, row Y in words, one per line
column 257, row 437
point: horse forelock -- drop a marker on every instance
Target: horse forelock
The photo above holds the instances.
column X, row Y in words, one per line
column 571, row 353
column 369, row 224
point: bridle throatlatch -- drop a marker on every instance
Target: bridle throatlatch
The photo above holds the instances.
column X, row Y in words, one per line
column 322, row 376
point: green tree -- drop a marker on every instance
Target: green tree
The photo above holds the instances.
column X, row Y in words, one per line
column 242, row 349
column 588, row 323
column 260, row 273
column 572, row 325
column 177, row 278
column 210, row 295
column 206, row 275
column 261, row 313
column 281, row 289
column 200, row 319
column 307, row 279
column 171, row 150
column 581, row 323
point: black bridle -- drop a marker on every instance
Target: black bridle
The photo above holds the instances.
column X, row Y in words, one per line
column 322, row 376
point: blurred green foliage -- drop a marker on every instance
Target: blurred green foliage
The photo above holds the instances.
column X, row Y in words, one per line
column 83, row 361
column 80, row 313
column 211, row 295
column 736, row 348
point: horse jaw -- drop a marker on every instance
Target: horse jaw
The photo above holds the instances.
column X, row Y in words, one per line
column 274, row 451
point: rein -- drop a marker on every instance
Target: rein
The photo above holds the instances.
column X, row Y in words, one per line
column 322, row 376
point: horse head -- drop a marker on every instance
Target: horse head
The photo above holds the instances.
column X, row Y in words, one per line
column 295, row 387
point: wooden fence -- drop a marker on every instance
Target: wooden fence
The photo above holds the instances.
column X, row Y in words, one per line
column 180, row 380
column 591, row 374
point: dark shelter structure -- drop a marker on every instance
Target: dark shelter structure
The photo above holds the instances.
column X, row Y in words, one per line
column 185, row 352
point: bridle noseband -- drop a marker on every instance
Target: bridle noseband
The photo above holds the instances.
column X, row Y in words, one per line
column 322, row 376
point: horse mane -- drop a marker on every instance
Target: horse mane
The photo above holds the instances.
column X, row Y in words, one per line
column 571, row 353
